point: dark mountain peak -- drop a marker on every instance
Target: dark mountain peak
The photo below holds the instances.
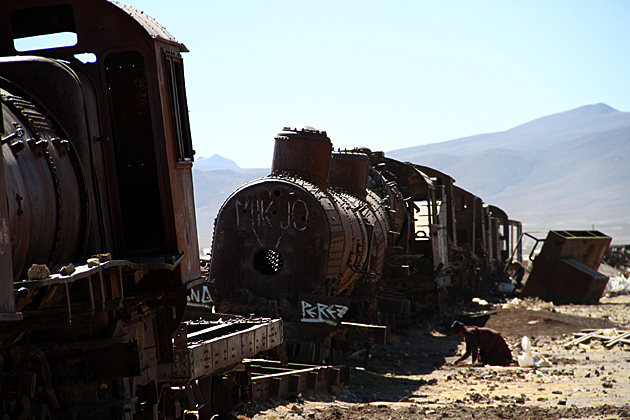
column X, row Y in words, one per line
column 215, row 162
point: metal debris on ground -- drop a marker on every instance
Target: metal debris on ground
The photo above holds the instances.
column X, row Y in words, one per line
column 534, row 304
column 618, row 256
column 565, row 271
column 609, row 337
column 617, row 285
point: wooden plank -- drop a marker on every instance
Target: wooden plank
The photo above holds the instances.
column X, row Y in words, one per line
column 583, row 338
column 625, row 334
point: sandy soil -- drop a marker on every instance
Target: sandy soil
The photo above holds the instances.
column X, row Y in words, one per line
column 414, row 376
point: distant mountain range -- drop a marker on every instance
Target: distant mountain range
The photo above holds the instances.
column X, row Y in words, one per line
column 567, row 171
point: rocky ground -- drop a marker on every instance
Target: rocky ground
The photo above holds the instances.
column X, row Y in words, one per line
column 414, row 376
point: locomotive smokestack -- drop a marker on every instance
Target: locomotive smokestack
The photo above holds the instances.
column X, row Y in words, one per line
column 303, row 152
column 349, row 171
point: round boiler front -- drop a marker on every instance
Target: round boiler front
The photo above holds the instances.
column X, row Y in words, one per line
column 271, row 241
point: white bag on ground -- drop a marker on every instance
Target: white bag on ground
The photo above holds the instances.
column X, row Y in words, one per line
column 529, row 359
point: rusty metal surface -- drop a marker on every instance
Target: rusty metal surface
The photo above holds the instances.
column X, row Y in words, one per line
column 46, row 211
column 470, row 221
column 153, row 27
column 283, row 229
column 287, row 245
column 565, row 271
column 125, row 22
column 101, row 27
column 7, row 298
column 286, row 228
column 97, row 159
column 446, row 195
column 416, row 255
column 349, row 172
column 504, row 235
column 290, row 226
column 303, row 152
column 272, row 380
column 212, row 347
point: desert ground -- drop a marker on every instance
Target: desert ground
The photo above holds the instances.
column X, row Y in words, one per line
column 413, row 376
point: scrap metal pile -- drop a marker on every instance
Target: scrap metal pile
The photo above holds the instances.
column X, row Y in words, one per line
column 618, row 256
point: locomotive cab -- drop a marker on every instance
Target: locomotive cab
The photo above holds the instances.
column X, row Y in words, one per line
column 124, row 113
column 96, row 190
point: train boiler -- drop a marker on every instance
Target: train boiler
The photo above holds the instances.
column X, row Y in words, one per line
column 303, row 245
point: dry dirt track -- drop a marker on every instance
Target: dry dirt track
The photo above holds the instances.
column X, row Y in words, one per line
column 414, row 378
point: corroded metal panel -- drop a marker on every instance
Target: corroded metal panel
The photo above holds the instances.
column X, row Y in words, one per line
column 565, row 271
column 303, row 152
column 349, row 172
column 46, row 213
column 7, row 299
column 271, row 380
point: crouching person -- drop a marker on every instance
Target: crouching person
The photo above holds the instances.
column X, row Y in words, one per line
column 484, row 344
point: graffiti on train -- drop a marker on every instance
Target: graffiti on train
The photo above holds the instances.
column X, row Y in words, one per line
column 323, row 313
column 266, row 212
column 200, row 295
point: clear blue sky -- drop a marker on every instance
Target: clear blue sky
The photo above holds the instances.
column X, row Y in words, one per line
column 390, row 75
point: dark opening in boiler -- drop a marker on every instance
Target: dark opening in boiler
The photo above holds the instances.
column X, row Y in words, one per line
column 268, row 261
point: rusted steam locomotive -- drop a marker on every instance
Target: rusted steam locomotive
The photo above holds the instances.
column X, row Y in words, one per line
column 98, row 241
column 338, row 243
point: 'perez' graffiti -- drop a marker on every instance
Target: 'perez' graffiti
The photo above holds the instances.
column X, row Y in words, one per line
column 322, row 313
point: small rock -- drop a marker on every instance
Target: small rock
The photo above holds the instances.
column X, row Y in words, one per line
column 67, row 270
column 562, row 402
column 556, row 392
column 38, row 272
column 103, row 257
column 93, row 262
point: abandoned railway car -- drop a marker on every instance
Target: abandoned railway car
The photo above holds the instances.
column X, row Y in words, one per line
column 337, row 243
column 98, row 241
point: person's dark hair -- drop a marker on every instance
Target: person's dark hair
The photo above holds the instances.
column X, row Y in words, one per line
column 457, row 327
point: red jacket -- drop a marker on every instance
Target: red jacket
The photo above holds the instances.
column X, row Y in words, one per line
column 478, row 338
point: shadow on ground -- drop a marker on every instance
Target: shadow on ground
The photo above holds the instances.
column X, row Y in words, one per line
column 396, row 370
